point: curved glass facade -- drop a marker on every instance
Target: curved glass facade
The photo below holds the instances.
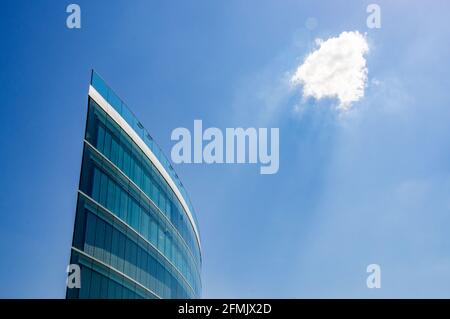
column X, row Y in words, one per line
column 135, row 232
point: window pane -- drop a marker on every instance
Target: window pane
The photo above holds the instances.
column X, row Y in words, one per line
column 99, row 240
column 90, row 234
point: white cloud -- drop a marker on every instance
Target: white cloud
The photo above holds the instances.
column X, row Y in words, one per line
column 337, row 68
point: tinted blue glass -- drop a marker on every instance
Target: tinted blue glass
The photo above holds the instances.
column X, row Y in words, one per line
column 133, row 212
column 132, row 237
column 100, row 85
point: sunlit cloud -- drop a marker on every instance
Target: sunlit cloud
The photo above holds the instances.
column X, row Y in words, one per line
column 336, row 69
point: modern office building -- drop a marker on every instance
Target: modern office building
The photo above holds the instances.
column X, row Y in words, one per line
column 135, row 233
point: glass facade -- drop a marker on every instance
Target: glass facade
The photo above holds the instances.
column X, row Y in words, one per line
column 133, row 235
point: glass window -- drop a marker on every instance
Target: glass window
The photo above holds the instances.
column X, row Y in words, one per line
column 162, row 203
column 104, row 288
column 169, row 209
column 99, row 240
column 99, row 85
column 103, row 189
column 90, row 234
column 100, row 138
column 139, row 251
column 119, row 156
column 85, row 282
column 143, row 279
column 95, row 184
column 173, row 254
column 132, row 167
column 138, row 175
column 153, row 232
column 121, row 199
column 137, row 218
column 123, row 205
column 154, row 194
column 112, row 286
column 146, row 184
column 145, row 225
column 161, row 239
column 126, row 163
column 152, row 271
column 110, row 200
column 117, row 198
column 127, row 268
column 114, row 151
column 159, row 276
column 107, row 146
column 119, row 290
column 115, row 101
column 121, row 256
column 127, row 115
column 114, row 248
column 95, row 285
column 133, row 260
column 129, row 216
column 168, row 247
column 108, row 243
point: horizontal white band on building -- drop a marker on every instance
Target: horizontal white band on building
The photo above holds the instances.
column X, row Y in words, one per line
column 100, row 100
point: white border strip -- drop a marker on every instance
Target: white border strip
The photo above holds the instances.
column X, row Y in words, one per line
column 100, row 100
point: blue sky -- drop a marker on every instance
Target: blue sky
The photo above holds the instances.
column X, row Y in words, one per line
column 368, row 186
